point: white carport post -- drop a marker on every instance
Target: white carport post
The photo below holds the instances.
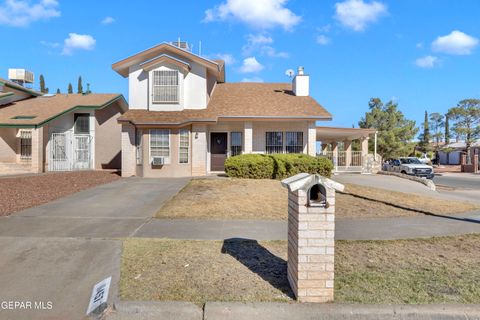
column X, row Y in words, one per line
column 375, row 150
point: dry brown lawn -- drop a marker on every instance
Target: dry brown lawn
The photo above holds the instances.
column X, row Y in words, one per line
column 439, row 270
column 267, row 200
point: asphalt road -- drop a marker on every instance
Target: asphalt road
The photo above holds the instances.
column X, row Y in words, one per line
column 458, row 180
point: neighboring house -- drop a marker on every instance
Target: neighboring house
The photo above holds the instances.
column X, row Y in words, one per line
column 184, row 119
column 457, row 149
column 60, row 132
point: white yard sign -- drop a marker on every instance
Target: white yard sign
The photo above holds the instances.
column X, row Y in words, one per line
column 99, row 294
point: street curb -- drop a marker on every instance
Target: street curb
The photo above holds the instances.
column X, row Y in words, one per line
column 293, row 311
column 426, row 182
column 149, row 310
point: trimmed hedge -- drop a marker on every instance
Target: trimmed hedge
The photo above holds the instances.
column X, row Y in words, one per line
column 276, row 166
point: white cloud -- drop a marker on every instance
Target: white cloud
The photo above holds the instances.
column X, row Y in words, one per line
column 262, row 43
column 261, row 14
column 108, row 20
column 457, row 43
column 251, row 65
column 357, row 14
column 323, row 40
column 19, row 13
column 419, row 45
column 324, row 29
column 252, row 79
column 77, row 41
column 427, row 62
column 228, row 58
column 50, row 44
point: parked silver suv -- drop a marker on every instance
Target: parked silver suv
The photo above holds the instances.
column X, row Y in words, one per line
column 411, row 166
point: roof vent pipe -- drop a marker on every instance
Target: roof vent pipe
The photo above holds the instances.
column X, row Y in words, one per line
column 300, row 71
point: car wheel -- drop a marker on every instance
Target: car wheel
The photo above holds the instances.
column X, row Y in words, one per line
column 403, row 172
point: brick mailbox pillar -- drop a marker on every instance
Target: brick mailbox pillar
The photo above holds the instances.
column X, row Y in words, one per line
column 311, row 233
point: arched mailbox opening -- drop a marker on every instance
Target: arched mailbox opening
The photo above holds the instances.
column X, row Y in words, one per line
column 317, row 196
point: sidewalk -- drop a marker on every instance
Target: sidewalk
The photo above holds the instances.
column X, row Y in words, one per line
column 421, row 226
column 288, row 311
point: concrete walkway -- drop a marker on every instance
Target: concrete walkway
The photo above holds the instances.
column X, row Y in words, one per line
column 112, row 210
column 58, row 251
column 289, row 311
column 421, row 226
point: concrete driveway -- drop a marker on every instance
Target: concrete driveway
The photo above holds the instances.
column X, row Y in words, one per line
column 112, row 210
column 58, row 251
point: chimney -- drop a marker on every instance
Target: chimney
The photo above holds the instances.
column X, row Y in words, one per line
column 301, row 84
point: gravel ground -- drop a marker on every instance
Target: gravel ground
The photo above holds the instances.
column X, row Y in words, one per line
column 18, row 193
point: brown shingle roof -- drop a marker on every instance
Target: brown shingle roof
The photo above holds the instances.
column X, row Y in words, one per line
column 16, row 86
column 239, row 100
column 39, row 110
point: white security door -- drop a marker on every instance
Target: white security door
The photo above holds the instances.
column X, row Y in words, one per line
column 59, row 159
column 82, row 152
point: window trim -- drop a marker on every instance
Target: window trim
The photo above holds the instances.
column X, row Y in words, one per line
column 180, row 145
column 167, row 159
column 152, row 78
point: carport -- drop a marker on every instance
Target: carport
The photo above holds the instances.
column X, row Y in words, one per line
column 338, row 144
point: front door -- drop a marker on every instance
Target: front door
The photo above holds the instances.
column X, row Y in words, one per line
column 219, row 148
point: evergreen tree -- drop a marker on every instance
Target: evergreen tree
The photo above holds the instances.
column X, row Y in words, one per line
column 58, row 91
column 395, row 133
column 436, row 123
column 70, row 88
column 424, row 144
column 80, row 85
column 42, row 84
column 447, row 130
column 467, row 122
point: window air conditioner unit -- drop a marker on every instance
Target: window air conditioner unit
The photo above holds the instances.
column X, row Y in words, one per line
column 158, row 161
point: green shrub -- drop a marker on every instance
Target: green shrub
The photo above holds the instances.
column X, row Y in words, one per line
column 251, row 166
column 276, row 166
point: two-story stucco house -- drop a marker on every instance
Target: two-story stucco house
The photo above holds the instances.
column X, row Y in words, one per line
column 185, row 119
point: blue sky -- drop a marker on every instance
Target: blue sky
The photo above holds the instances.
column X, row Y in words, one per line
column 424, row 54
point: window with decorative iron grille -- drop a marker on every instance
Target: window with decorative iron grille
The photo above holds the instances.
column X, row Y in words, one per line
column 160, row 143
column 138, row 146
column 82, row 123
column 165, row 86
column 184, row 146
column 274, row 142
column 236, row 143
column 26, row 145
column 294, row 142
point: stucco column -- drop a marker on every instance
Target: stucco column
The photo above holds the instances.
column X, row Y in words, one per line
column 199, row 150
column 312, row 138
column 129, row 161
column 335, row 154
column 347, row 145
column 37, row 150
column 248, row 137
column 364, row 143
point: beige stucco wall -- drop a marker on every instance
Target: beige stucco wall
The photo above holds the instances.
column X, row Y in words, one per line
column 199, row 162
column 107, row 138
column 172, row 169
column 8, row 145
